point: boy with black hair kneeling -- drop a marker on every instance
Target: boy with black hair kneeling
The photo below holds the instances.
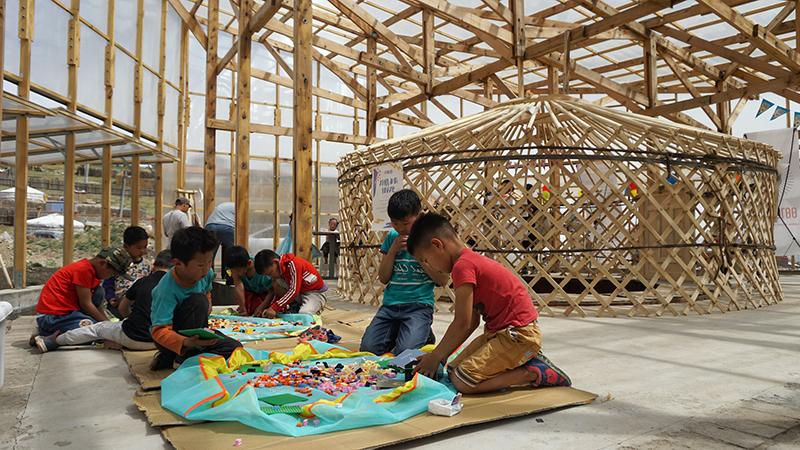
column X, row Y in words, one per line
column 252, row 288
column 133, row 332
column 182, row 301
column 299, row 287
column 507, row 353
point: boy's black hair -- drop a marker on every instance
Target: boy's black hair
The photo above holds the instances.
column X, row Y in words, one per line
column 189, row 241
column 428, row 226
column 163, row 260
column 402, row 204
column 236, row 257
column 263, row 259
column 134, row 234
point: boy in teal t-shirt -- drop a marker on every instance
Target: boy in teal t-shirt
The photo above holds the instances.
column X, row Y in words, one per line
column 404, row 320
column 251, row 287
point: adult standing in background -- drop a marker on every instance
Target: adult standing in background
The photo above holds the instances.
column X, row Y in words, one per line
column 177, row 219
column 222, row 222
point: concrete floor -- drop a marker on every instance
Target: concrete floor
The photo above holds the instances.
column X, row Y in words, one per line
column 719, row 381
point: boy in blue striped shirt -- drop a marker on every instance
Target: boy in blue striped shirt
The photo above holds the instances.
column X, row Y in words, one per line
column 404, row 320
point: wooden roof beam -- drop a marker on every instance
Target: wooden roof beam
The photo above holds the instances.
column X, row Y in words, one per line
column 760, row 36
column 190, row 21
column 370, row 24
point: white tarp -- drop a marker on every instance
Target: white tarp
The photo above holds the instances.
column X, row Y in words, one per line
column 34, row 195
column 52, row 221
column 786, row 143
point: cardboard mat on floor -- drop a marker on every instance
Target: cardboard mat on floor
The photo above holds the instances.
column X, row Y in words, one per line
column 349, row 325
column 477, row 409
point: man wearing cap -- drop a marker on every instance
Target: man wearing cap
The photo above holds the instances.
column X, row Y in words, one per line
column 177, row 219
column 65, row 302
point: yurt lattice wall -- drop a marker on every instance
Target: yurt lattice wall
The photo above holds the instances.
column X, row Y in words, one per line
column 600, row 212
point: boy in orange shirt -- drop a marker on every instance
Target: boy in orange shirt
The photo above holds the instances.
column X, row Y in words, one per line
column 507, row 353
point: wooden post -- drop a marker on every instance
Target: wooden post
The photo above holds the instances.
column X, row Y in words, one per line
column 428, row 48
column 105, row 198
column 162, row 95
column 518, row 28
column 276, row 168
column 788, row 113
column 137, row 113
column 210, row 142
column 317, row 165
column 301, row 225
column 372, row 86
column 552, row 80
column 724, row 111
column 25, row 32
column 183, row 105
column 73, row 59
column 650, row 66
column 243, row 125
column 567, row 63
column 159, row 207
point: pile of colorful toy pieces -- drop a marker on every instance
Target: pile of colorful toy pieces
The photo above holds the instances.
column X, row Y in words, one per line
column 317, row 388
column 245, row 329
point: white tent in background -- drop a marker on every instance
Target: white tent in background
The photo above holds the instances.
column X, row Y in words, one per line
column 51, row 226
column 34, row 195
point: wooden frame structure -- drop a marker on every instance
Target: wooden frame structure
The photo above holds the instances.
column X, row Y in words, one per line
column 389, row 66
column 601, row 212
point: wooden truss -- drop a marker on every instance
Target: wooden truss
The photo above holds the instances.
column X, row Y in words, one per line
column 601, row 212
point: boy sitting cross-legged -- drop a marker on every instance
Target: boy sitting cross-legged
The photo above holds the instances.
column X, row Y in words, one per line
column 404, row 319
column 182, row 301
column 251, row 288
column 507, row 353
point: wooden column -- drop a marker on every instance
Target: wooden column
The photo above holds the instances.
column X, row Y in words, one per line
column 796, row 25
column 159, row 207
column 428, row 48
column 276, row 168
column 137, row 113
column 301, row 225
column 25, row 32
column 210, row 141
column 724, row 111
column 317, row 164
column 552, row 80
column 73, row 59
column 650, row 65
column 105, row 198
column 372, row 86
column 183, row 106
column 243, row 125
column 518, row 30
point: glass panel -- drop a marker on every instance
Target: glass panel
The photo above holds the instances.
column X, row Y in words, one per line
column 125, row 24
column 49, row 47
column 91, row 72
column 10, row 38
column 171, row 116
column 151, row 33
column 150, row 102
column 173, row 50
column 96, row 13
column 123, row 88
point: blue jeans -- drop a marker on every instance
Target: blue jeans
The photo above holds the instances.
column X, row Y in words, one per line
column 226, row 235
column 398, row 327
column 49, row 323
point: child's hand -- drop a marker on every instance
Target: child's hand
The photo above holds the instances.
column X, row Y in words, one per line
column 399, row 243
column 269, row 313
column 427, row 365
column 193, row 342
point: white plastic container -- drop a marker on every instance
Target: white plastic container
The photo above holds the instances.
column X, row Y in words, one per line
column 5, row 312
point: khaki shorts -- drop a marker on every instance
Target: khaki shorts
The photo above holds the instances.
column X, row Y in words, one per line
column 493, row 353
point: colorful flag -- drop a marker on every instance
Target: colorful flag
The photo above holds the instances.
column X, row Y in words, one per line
column 779, row 111
column 764, row 106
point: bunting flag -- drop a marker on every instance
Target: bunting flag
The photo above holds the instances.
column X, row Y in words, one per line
column 764, row 106
column 796, row 119
column 779, row 111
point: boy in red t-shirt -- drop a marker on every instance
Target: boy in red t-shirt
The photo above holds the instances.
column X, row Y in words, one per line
column 65, row 302
column 298, row 286
column 507, row 353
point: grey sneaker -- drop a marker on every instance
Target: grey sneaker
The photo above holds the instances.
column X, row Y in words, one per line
column 46, row 343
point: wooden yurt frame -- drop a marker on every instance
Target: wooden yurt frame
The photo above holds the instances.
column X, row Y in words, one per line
column 601, row 212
